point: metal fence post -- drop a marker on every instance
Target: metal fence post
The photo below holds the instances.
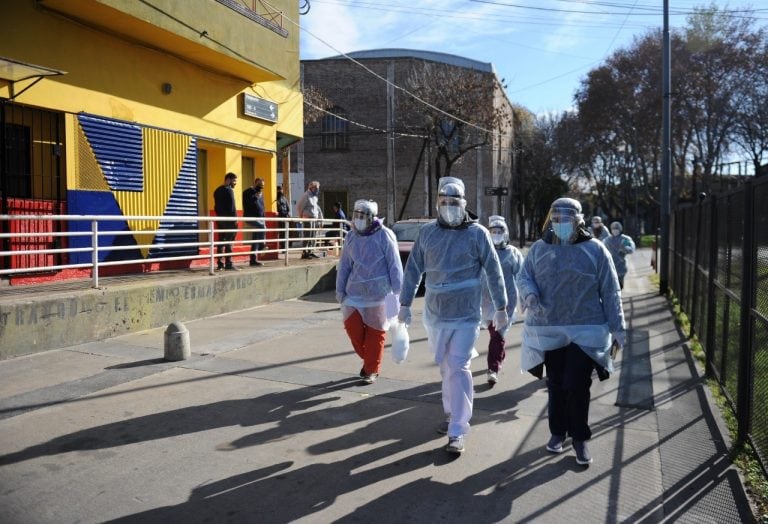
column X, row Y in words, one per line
column 744, row 394
column 95, row 253
column 709, row 344
column 211, row 249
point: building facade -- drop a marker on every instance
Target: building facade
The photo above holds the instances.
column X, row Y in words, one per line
column 120, row 107
column 360, row 149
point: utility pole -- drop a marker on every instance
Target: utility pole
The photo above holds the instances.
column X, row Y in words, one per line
column 666, row 175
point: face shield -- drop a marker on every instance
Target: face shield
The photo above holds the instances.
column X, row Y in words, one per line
column 564, row 219
column 451, row 210
column 451, row 205
column 499, row 231
column 363, row 214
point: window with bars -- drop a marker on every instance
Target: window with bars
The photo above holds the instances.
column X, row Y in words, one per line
column 335, row 130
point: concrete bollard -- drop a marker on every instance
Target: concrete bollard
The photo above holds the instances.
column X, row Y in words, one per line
column 176, row 342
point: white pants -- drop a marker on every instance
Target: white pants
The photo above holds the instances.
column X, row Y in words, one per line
column 454, row 350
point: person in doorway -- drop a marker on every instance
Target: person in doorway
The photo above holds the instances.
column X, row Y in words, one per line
column 308, row 207
column 368, row 271
column 511, row 260
column 571, row 296
column 598, row 229
column 338, row 214
column 619, row 246
column 453, row 252
column 283, row 208
column 253, row 211
column 224, row 206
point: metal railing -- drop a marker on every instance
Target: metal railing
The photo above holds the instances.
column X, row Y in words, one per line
column 96, row 242
column 719, row 271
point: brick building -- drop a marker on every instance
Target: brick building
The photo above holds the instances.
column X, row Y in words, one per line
column 360, row 149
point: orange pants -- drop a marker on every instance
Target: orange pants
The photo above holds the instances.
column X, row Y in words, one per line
column 368, row 342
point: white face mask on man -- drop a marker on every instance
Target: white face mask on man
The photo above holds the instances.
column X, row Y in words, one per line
column 361, row 224
column 615, row 232
column 451, row 215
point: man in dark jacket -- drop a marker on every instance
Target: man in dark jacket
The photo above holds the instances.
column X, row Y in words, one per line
column 253, row 211
column 224, row 206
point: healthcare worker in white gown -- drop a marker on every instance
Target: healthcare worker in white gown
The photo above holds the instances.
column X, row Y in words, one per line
column 452, row 253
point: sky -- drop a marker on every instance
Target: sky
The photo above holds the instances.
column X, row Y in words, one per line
column 542, row 49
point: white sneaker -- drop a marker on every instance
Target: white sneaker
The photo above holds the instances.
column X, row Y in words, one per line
column 493, row 377
column 455, row 445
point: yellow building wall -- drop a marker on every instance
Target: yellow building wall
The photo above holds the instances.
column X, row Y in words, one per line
column 110, row 76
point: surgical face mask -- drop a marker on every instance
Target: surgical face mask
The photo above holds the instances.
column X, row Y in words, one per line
column 314, row 192
column 498, row 238
column 451, row 215
column 615, row 232
column 360, row 224
column 563, row 230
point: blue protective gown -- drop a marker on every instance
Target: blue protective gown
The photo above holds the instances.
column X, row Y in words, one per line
column 620, row 246
column 511, row 260
column 369, row 271
column 580, row 298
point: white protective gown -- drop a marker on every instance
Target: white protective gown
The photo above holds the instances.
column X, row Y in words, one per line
column 369, row 271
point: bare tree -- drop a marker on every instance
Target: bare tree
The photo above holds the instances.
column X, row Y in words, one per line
column 456, row 108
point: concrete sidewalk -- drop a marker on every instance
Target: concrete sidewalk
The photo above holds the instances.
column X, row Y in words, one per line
column 268, row 423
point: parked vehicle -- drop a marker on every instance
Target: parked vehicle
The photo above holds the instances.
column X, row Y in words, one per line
column 406, row 232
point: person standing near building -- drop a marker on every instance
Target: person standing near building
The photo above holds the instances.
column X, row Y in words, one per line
column 453, row 252
column 308, row 207
column 224, row 206
column 253, row 211
column 283, row 208
column 369, row 269
column 619, row 246
column 598, row 229
column 511, row 260
column 571, row 295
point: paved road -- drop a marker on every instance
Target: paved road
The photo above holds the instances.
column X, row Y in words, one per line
column 267, row 422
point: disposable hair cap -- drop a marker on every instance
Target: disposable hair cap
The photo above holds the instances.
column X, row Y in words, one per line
column 566, row 206
column 450, row 186
column 369, row 207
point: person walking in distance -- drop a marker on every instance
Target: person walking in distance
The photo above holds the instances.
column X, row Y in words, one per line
column 308, row 207
column 253, row 211
column 571, row 296
column 598, row 229
column 511, row 260
column 619, row 246
column 369, row 270
column 224, row 206
column 452, row 252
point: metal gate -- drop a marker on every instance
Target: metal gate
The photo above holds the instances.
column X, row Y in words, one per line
column 32, row 180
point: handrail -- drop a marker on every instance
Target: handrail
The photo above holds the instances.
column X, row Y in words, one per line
column 282, row 231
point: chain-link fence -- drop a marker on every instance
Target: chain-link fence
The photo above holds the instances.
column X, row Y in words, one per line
column 719, row 271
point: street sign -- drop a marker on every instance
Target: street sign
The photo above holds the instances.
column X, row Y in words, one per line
column 496, row 191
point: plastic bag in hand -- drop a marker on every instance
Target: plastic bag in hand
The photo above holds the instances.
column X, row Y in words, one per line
column 400, row 342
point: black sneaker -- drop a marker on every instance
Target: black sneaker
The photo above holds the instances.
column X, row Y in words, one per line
column 555, row 444
column 582, row 452
column 256, row 263
column 443, row 427
column 231, row 268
